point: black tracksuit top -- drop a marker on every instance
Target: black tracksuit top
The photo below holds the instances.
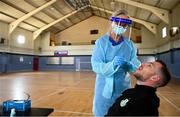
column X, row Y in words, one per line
column 139, row 101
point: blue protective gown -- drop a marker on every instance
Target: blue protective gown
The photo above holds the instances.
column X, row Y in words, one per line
column 111, row 81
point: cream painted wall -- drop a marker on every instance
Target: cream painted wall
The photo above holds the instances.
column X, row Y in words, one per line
column 163, row 44
column 148, row 44
column 3, row 34
column 43, row 42
column 148, row 39
column 38, row 45
column 27, row 46
column 81, row 31
column 161, row 40
column 135, row 32
column 176, row 43
column 167, row 43
column 12, row 45
column 175, row 16
column 72, row 50
column 151, row 43
column 3, row 30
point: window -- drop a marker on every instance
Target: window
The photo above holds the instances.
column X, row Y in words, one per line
column 164, row 32
column 92, row 32
column 21, row 39
column 21, row 59
column 67, row 60
column 53, row 61
column 174, row 31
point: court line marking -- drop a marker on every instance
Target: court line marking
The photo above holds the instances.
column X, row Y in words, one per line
column 171, row 103
column 53, row 93
column 172, row 90
column 88, row 89
column 75, row 112
column 77, row 83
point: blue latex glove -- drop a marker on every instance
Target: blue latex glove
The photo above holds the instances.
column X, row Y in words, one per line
column 119, row 61
column 131, row 67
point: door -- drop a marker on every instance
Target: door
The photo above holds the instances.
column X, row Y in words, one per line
column 36, row 64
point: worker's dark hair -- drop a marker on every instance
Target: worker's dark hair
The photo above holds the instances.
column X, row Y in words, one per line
column 166, row 76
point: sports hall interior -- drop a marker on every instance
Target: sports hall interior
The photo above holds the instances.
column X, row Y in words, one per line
column 46, row 48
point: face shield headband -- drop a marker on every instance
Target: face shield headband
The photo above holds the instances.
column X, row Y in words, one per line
column 121, row 20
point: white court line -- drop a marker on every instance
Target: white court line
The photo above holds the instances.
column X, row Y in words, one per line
column 169, row 101
column 73, row 112
column 48, row 95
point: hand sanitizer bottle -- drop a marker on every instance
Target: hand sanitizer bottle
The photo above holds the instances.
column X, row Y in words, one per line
column 13, row 112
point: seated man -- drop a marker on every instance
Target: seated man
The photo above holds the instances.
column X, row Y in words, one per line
column 142, row 100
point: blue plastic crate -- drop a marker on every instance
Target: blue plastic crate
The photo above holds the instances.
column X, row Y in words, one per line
column 18, row 105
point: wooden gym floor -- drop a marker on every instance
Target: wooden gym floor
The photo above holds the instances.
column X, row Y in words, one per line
column 71, row 93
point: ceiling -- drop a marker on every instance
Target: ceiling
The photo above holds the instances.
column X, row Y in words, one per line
column 62, row 11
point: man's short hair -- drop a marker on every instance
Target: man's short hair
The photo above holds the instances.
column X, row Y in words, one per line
column 166, row 77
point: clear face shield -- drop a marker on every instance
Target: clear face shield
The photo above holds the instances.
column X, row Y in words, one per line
column 121, row 26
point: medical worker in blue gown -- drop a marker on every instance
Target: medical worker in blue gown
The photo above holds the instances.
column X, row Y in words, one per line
column 114, row 55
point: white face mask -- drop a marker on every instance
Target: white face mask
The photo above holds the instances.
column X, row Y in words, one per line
column 118, row 29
